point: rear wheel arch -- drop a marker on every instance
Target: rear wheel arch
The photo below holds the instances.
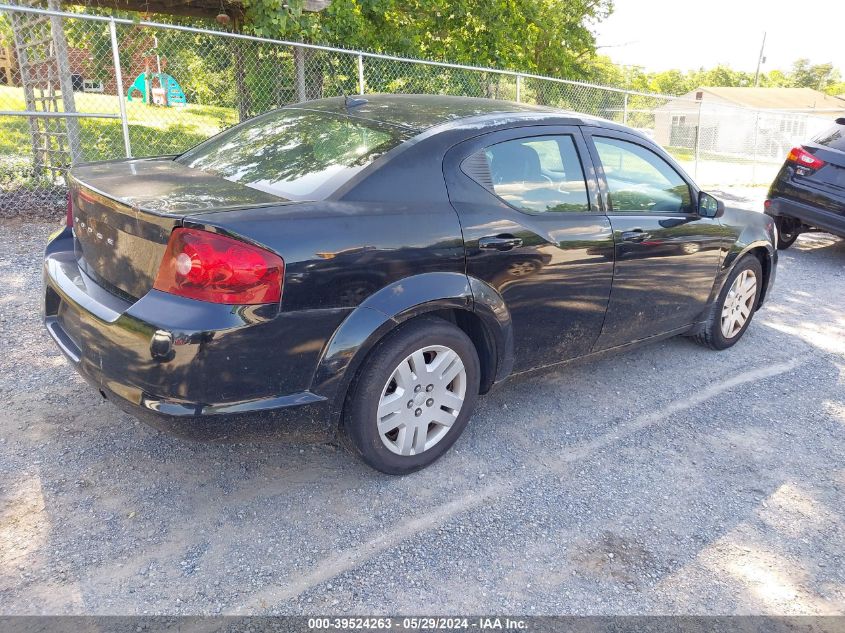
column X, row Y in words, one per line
column 479, row 331
column 392, row 437
column 481, row 335
column 484, row 320
column 487, row 322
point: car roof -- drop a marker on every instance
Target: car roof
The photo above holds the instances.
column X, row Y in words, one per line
column 420, row 112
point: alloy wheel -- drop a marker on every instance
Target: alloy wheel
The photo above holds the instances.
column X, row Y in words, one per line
column 421, row 400
column 739, row 303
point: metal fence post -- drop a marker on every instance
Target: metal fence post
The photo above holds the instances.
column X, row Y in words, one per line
column 625, row 109
column 519, row 88
column 62, row 55
column 754, row 153
column 118, row 78
column 299, row 70
column 697, row 139
column 361, row 85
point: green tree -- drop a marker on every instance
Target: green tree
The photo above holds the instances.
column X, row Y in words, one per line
column 670, row 82
column 816, row 76
column 7, row 38
column 776, row 79
column 721, row 76
column 541, row 36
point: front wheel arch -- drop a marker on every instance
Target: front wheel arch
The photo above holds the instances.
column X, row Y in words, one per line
column 710, row 333
column 763, row 251
column 762, row 254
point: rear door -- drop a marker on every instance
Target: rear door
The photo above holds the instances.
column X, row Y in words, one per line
column 666, row 255
column 533, row 230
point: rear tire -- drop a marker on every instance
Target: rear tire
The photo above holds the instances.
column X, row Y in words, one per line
column 788, row 231
column 731, row 313
column 413, row 397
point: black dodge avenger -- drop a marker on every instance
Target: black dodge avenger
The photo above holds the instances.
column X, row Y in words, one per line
column 377, row 263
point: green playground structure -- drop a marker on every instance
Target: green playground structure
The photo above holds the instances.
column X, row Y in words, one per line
column 169, row 92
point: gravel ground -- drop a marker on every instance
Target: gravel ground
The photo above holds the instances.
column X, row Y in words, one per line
column 670, row 479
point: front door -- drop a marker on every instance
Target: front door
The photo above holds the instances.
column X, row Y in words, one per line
column 527, row 199
column 667, row 255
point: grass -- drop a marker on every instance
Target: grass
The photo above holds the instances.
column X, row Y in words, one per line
column 685, row 153
column 153, row 130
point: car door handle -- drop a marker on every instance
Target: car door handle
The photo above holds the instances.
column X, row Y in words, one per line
column 634, row 235
column 499, row 242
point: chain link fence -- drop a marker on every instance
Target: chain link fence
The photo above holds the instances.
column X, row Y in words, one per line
column 77, row 88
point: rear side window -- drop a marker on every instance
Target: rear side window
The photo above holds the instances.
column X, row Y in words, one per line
column 294, row 154
column 834, row 138
column 539, row 174
column 640, row 180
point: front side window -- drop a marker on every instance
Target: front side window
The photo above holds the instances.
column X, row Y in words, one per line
column 539, row 174
column 294, row 154
column 640, row 180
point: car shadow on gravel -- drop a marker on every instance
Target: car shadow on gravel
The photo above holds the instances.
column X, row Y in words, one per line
column 821, row 245
column 576, row 488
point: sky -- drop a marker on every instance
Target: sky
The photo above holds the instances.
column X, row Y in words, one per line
column 688, row 34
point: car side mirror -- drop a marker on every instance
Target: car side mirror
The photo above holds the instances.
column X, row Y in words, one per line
column 709, row 206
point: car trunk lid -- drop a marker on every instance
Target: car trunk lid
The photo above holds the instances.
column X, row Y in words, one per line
column 832, row 173
column 820, row 176
column 124, row 212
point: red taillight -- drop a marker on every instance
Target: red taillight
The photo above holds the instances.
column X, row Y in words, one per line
column 69, row 211
column 210, row 267
column 802, row 157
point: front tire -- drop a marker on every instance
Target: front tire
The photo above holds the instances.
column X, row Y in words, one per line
column 413, row 396
column 731, row 313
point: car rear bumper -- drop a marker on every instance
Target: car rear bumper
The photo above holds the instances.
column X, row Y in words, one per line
column 818, row 218
column 178, row 363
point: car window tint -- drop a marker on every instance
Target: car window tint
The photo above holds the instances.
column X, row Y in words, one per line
column 539, row 174
column 834, row 138
column 639, row 180
column 295, row 154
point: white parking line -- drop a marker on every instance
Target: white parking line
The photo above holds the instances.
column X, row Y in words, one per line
column 431, row 518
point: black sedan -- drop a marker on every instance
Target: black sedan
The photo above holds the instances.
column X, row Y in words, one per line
column 809, row 190
column 378, row 263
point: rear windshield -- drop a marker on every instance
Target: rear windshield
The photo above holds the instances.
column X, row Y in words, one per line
column 834, row 138
column 294, row 154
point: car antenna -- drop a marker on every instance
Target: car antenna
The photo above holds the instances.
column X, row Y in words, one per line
column 353, row 102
